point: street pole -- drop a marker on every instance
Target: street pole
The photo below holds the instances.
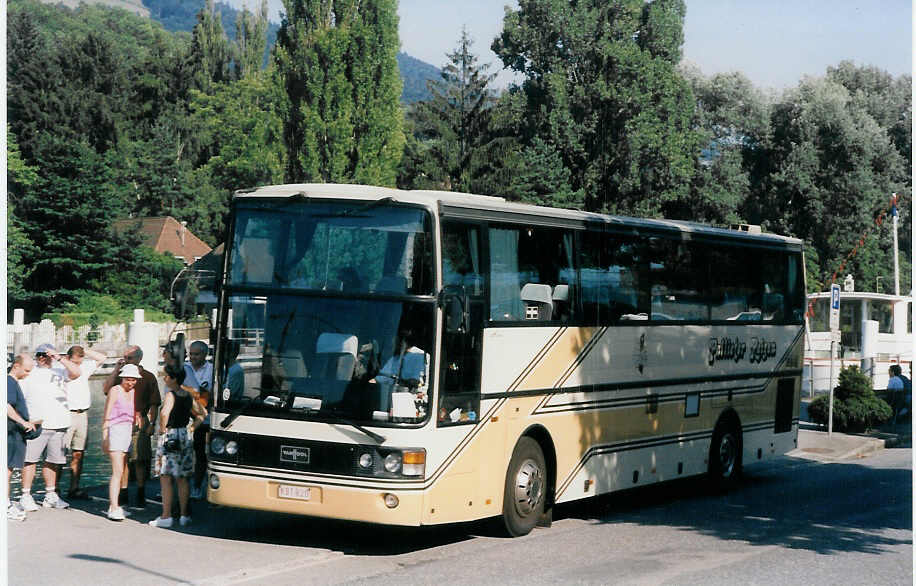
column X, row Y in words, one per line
column 896, row 260
column 830, row 384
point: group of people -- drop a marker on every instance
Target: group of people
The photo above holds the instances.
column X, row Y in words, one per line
column 48, row 399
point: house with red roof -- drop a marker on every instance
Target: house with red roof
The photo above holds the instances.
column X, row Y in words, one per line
column 166, row 235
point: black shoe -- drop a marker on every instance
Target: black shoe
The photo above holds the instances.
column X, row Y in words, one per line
column 78, row 494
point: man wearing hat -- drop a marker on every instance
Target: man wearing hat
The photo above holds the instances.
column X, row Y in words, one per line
column 45, row 394
column 146, row 404
column 17, row 423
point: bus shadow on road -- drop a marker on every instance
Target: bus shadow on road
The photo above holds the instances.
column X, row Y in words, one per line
column 347, row 537
column 824, row 508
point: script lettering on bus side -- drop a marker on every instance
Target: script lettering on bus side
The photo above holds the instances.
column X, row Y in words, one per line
column 735, row 349
column 726, row 349
column 762, row 350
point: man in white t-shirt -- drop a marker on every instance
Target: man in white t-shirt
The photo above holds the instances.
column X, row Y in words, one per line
column 79, row 399
column 45, row 394
column 201, row 378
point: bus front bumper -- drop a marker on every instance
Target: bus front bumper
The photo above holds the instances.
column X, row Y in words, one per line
column 316, row 499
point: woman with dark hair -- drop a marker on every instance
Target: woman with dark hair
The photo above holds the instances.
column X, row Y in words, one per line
column 175, row 451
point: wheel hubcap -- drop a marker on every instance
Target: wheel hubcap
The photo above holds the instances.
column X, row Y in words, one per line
column 529, row 486
column 728, row 454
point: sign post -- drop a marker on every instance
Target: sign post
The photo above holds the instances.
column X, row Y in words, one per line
column 834, row 338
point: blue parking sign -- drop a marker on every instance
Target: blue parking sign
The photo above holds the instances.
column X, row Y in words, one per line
column 835, row 297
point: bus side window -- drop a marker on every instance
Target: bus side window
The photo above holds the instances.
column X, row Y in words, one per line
column 614, row 278
column 732, row 288
column 532, row 274
column 678, row 277
column 774, row 269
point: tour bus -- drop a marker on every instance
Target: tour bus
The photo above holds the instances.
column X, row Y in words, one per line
column 422, row 357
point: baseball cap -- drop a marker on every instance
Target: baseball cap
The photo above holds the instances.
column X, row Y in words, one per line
column 129, row 371
column 45, row 348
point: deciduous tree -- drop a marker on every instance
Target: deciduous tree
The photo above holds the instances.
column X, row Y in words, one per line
column 831, row 169
column 600, row 85
column 337, row 60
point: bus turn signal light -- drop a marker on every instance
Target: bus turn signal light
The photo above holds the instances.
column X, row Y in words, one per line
column 413, row 463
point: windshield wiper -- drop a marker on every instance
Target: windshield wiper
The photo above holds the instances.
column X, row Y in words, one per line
column 335, row 419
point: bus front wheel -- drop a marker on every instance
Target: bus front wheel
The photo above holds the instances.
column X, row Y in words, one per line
column 526, row 488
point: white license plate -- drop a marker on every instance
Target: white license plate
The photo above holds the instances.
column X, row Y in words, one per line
column 302, row 493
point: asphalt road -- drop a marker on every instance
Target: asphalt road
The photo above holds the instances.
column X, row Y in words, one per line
column 793, row 521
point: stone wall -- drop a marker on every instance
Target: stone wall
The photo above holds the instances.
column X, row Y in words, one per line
column 108, row 338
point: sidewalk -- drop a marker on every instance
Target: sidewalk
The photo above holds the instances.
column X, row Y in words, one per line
column 815, row 444
column 80, row 545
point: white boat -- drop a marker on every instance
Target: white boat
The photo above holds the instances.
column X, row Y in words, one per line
column 876, row 331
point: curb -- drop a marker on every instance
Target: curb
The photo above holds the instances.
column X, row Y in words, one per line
column 870, row 446
column 842, row 447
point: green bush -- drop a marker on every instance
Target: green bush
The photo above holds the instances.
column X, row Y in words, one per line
column 95, row 309
column 855, row 405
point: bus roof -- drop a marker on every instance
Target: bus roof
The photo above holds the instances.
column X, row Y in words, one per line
column 485, row 203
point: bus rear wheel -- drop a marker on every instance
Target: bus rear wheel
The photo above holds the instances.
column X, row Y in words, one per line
column 526, row 488
column 725, row 454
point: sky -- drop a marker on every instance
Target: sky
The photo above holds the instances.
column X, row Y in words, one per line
column 775, row 43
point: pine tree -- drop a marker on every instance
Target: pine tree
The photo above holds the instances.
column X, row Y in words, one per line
column 453, row 127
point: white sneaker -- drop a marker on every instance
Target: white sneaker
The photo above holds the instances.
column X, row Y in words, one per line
column 184, row 521
column 116, row 514
column 52, row 501
column 27, row 502
column 164, row 523
column 14, row 513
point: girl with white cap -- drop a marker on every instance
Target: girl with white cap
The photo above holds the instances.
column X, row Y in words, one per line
column 116, row 430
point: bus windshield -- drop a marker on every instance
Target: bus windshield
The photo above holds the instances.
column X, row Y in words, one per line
column 330, row 313
column 351, row 248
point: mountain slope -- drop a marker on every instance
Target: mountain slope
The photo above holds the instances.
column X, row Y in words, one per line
column 181, row 15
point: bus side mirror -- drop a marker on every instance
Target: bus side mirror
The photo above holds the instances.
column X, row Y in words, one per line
column 184, row 291
column 453, row 299
column 193, row 291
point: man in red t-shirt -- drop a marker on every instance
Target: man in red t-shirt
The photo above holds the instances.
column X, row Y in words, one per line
column 146, row 408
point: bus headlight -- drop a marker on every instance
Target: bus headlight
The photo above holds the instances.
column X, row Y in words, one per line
column 413, row 462
column 393, row 462
column 217, row 446
column 232, row 447
column 365, row 460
